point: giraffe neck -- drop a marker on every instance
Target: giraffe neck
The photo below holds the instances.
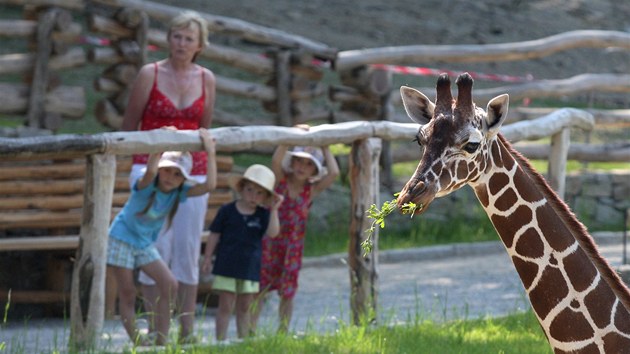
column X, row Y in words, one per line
column 579, row 300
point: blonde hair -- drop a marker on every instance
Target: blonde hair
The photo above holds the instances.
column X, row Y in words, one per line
column 185, row 20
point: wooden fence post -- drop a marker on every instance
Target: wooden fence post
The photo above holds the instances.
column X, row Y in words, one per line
column 558, row 160
column 87, row 303
column 364, row 185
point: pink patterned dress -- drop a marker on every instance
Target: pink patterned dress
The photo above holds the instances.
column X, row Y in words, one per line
column 282, row 255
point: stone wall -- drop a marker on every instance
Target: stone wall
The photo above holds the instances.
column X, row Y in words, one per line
column 600, row 199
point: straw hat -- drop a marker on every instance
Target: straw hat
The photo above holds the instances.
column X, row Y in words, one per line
column 178, row 159
column 312, row 153
column 259, row 174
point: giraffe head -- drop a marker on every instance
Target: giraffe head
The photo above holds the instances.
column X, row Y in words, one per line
column 456, row 137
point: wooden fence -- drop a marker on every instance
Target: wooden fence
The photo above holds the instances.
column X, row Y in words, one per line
column 87, row 307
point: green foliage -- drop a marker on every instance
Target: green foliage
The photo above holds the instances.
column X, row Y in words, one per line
column 516, row 333
column 378, row 218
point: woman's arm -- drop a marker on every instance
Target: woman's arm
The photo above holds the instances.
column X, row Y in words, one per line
column 211, row 174
column 138, row 98
column 208, row 109
column 329, row 178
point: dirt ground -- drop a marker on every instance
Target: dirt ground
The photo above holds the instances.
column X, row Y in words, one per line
column 376, row 23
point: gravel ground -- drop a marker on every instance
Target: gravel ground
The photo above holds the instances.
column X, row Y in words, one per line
column 439, row 283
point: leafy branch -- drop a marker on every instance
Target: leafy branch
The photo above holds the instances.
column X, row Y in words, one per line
column 378, row 218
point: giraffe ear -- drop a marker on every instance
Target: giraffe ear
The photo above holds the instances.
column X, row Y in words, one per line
column 418, row 107
column 497, row 112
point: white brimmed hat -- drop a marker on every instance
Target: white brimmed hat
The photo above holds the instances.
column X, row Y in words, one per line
column 312, row 153
column 178, row 159
column 259, row 174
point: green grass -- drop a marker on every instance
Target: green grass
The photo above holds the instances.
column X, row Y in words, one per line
column 516, row 333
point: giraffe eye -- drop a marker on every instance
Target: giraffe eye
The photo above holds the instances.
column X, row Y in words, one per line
column 420, row 138
column 471, row 147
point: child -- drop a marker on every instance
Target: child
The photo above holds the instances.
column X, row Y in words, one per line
column 301, row 177
column 236, row 234
column 153, row 201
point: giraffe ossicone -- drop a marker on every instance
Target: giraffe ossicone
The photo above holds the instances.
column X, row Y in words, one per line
column 581, row 303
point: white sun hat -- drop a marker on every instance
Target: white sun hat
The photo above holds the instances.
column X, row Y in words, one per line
column 178, row 159
column 259, row 174
column 312, row 153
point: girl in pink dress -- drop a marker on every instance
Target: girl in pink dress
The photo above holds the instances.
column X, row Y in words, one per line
column 301, row 176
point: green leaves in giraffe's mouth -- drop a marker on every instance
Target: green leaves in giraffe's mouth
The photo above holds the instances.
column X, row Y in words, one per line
column 378, row 218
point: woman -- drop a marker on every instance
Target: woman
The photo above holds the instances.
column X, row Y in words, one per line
column 179, row 93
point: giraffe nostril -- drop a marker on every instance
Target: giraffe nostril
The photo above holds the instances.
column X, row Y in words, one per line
column 418, row 188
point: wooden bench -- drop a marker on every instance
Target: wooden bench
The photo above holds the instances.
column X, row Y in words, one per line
column 40, row 210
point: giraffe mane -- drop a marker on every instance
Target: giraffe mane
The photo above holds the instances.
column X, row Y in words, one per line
column 578, row 229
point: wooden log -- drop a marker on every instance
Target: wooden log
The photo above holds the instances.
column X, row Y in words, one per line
column 17, row 28
column 23, row 63
column 67, row 101
column 52, row 121
column 364, row 182
column 66, row 4
column 63, row 21
column 71, row 34
column 603, row 117
column 129, row 18
column 109, row 27
column 38, row 243
column 56, row 169
column 411, row 55
column 141, row 38
column 244, row 89
column 58, row 219
column 131, row 51
column 120, row 101
column 105, row 85
column 104, row 55
column 250, row 137
column 220, row 24
column 56, row 203
column 107, row 113
column 251, row 62
column 283, row 82
column 39, row 82
column 45, row 243
column 123, row 73
column 557, row 166
column 34, row 296
column 51, row 187
column 87, row 304
column 614, row 152
column 230, row 119
column 549, row 124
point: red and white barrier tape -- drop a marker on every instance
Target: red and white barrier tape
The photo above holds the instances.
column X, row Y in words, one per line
column 419, row 71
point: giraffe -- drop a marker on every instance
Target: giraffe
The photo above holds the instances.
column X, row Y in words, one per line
column 579, row 300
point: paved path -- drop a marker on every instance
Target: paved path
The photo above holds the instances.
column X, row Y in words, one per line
column 439, row 283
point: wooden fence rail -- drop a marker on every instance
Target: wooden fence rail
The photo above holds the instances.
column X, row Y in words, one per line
column 88, row 280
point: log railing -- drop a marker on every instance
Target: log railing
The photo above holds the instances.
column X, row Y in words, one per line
column 87, row 308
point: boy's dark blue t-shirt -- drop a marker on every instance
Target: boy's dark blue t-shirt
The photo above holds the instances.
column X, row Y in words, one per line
column 239, row 251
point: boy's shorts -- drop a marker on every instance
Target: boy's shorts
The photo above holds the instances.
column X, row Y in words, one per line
column 233, row 285
column 124, row 255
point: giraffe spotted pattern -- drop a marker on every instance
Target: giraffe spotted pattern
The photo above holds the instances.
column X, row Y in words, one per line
column 579, row 300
